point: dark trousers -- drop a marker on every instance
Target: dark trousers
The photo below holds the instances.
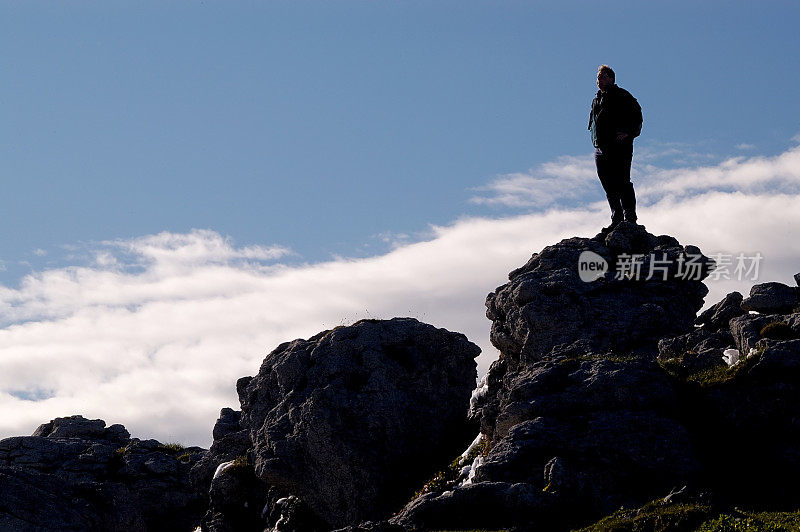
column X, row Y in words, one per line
column 614, row 170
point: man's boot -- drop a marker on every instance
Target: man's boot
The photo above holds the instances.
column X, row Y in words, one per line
column 628, row 199
column 615, row 221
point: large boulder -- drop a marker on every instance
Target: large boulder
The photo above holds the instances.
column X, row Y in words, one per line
column 718, row 316
column 77, row 474
column 651, row 287
column 772, row 298
column 550, row 310
column 346, row 425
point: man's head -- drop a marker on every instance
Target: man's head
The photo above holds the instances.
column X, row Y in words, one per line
column 605, row 77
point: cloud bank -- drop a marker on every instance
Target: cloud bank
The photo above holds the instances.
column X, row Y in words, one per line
column 156, row 330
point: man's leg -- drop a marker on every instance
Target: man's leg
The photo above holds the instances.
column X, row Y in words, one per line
column 625, row 187
column 606, row 171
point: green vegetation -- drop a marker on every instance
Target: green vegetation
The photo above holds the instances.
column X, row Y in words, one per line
column 695, row 517
column 715, row 375
column 753, row 522
column 712, row 376
column 241, row 461
column 653, row 517
column 778, row 330
column 171, row 448
column 446, row 478
column 611, row 357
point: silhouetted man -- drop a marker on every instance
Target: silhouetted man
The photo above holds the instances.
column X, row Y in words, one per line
column 615, row 120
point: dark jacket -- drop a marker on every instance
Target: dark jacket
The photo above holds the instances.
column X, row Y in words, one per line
column 614, row 111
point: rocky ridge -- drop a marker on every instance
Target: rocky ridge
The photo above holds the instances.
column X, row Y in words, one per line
column 76, row 474
column 610, row 391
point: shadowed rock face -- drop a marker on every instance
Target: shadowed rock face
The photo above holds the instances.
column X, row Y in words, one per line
column 77, row 474
column 580, row 421
column 547, row 307
column 579, row 417
column 346, row 425
column 353, row 419
column 745, row 420
column 547, row 312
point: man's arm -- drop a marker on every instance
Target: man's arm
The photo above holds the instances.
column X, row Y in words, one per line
column 635, row 118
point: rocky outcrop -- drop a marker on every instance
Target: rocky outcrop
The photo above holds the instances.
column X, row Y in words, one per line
column 717, row 317
column 577, row 415
column 77, row 474
column 772, row 298
column 744, row 419
column 609, row 392
column 549, row 306
column 344, row 426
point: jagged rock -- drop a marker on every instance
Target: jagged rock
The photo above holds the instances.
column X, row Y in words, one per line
column 719, row 316
column 100, row 477
column 771, row 298
column 231, row 441
column 746, row 425
column 351, row 421
column 373, row 526
column 25, row 493
column 797, row 279
column 228, row 423
column 291, row 514
column 746, row 330
column 236, row 495
column 579, row 417
column 696, row 351
column 547, row 305
column 593, row 431
column 236, row 499
column 484, row 505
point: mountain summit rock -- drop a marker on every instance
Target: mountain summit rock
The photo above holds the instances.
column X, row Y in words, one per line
column 576, row 415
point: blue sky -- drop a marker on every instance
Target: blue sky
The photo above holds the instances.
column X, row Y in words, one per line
column 320, row 125
column 188, row 184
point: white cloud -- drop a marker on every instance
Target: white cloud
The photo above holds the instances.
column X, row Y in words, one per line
column 738, row 174
column 159, row 347
column 566, row 178
column 569, row 178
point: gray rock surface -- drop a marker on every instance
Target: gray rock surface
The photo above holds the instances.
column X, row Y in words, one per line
column 746, row 330
column 78, row 474
column 772, row 298
column 719, row 316
column 547, row 306
column 746, row 425
column 579, row 417
column 344, row 426
column 236, row 496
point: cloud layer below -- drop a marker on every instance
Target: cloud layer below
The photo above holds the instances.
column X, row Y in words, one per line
column 154, row 333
